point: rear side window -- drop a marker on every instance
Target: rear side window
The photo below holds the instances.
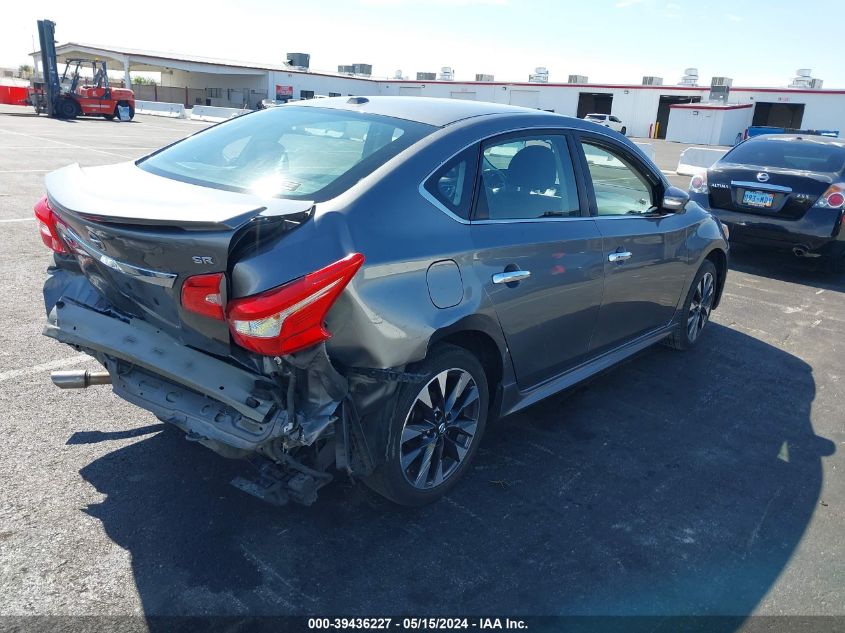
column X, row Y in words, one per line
column 527, row 177
column 805, row 154
column 452, row 184
column 288, row 152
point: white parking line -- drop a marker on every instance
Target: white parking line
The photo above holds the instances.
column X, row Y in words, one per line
column 175, row 128
column 37, row 369
column 18, row 220
column 82, row 147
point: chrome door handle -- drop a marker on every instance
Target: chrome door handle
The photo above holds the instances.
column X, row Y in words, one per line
column 511, row 276
column 619, row 257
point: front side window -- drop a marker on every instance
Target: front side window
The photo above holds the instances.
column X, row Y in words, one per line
column 620, row 188
column 452, row 184
column 288, row 152
column 525, row 178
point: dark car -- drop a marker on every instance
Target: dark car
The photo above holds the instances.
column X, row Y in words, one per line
column 360, row 285
column 781, row 190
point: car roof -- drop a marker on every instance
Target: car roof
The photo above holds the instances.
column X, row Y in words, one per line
column 428, row 110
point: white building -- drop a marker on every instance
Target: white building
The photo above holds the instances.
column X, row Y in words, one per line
column 644, row 109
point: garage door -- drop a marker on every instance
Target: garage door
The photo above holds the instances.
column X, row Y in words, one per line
column 525, row 98
column 468, row 96
column 410, row 91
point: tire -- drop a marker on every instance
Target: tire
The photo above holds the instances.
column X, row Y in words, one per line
column 67, row 109
column 125, row 104
column 624, row 130
column 429, row 449
column 696, row 310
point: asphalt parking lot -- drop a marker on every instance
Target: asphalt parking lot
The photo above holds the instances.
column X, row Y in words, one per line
column 709, row 482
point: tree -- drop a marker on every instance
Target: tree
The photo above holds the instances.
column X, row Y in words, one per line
column 25, row 71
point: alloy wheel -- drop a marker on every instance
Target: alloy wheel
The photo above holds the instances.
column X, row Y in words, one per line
column 700, row 306
column 440, row 428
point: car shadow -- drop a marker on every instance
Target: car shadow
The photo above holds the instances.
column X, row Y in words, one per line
column 678, row 483
column 785, row 266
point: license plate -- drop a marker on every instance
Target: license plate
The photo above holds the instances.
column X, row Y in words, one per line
column 758, row 199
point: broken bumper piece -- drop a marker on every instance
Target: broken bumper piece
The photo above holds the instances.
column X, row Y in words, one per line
column 293, row 421
column 217, row 404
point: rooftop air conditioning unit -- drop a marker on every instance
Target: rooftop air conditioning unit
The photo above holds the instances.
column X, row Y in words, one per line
column 722, row 81
column 426, row 76
column 578, row 79
column 447, row 74
column 299, row 60
column 365, row 70
column 346, row 70
column 690, row 77
column 804, row 79
column 483, row 77
column 652, row 81
column 398, row 75
column 539, row 76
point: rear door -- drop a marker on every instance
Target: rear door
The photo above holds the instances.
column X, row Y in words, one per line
column 538, row 253
column 643, row 250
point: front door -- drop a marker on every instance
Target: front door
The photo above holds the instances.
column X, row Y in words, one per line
column 644, row 249
column 538, row 253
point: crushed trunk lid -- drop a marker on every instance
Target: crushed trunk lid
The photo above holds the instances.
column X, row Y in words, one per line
column 138, row 236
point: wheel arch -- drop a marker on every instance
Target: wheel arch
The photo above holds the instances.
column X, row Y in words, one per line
column 485, row 341
column 720, row 261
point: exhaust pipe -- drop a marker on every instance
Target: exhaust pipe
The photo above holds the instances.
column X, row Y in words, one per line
column 79, row 378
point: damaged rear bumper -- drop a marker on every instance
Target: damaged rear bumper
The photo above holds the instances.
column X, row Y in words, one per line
column 296, row 410
column 217, row 401
column 212, row 400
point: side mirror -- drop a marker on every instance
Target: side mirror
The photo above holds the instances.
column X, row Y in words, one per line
column 674, row 200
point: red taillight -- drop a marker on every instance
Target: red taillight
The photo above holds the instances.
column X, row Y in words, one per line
column 47, row 226
column 201, row 294
column 833, row 198
column 290, row 318
column 698, row 184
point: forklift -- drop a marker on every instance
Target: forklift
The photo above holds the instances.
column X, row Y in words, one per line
column 64, row 98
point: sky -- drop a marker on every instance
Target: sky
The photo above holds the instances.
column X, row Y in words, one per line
column 756, row 42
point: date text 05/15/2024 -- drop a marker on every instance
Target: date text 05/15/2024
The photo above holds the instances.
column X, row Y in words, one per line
column 416, row 624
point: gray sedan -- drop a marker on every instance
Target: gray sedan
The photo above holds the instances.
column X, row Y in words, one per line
column 358, row 286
